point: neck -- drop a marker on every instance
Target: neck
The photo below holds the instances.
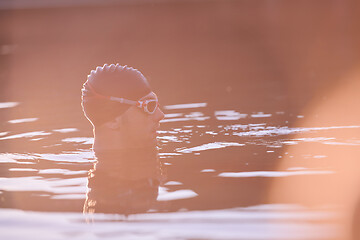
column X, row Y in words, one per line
column 106, row 139
column 128, row 163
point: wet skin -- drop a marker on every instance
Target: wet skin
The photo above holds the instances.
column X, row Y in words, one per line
column 133, row 129
column 140, row 126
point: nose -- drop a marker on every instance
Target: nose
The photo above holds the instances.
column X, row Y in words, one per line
column 158, row 115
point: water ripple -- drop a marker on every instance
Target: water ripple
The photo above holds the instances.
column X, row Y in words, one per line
column 271, row 173
column 8, row 104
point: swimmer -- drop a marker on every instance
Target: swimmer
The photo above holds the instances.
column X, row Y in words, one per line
column 122, row 108
column 125, row 115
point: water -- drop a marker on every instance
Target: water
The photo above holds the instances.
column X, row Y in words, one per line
column 262, row 129
column 219, row 167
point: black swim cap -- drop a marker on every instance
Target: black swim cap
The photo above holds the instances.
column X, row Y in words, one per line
column 112, row 80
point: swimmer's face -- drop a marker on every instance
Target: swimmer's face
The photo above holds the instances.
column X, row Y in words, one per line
column 140, row 127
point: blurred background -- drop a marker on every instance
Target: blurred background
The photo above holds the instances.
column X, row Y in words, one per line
column 280, row 55
column 297, row 62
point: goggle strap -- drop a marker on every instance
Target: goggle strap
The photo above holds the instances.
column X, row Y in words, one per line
column 140, row 104
column 120, row 100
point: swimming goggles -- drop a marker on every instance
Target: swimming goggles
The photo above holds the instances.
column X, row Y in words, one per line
column 149, row 106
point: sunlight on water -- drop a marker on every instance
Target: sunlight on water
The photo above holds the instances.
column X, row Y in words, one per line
column 187, row 118
column 36, row 183
column 12, row 157
column 62, row 171
column 185, row 106
column 271, row 173
column 261, row 115
column 26, row 135
column 256, row 222
column 209, row 146
column 269, row 130
column 173, row 183
column 66, row 130
column 3, row 133
column 164, row 195
column 8, row 104
column 172, row 115
column 210, row 157
column 23, row 120
column 208, row 170
column 22, row 170
column 166, row 139
column 229, row 115
column 80, row 196
column 76, row 157
column 82, row 140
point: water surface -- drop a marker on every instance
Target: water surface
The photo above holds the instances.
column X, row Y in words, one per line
column 219, row 166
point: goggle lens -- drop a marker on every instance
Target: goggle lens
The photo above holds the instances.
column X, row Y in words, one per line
column 151, row 106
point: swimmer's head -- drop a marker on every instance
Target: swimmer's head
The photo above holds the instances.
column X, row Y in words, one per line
column 116, row 81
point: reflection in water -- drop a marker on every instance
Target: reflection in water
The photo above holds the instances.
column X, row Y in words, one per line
column 271, row 173
column 224, row 161
column 8, row 104
column 23, row 120
column 185, row 105
column 209, row 146
column 214, row 159
column 27, row 135
column 123, row 181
